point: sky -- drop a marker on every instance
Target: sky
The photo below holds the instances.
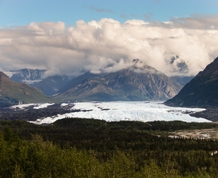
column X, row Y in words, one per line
column 71, row 37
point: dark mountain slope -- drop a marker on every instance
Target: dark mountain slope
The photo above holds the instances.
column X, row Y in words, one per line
column 201, row 91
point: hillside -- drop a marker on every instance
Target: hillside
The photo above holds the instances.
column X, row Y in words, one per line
column 14, row 93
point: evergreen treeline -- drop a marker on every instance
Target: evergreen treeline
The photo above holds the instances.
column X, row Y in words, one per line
column 93, row 148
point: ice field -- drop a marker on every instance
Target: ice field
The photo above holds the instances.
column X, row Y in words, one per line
column 128, row 111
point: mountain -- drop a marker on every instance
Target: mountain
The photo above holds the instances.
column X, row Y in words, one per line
column 138, row 82
column 14, row 93
column 28, row 76
column 78, row 80
column 201, row 91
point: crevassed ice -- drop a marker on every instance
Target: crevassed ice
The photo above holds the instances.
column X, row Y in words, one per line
column 131, row 111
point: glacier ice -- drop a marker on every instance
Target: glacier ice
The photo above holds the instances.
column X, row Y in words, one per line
column 128, row 111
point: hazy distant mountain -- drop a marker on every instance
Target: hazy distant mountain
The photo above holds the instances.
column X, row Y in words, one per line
column 182, row 80
column 14, row 93
column 201, row 91
column 28, row 76
column 51, row 85
column 138, row 82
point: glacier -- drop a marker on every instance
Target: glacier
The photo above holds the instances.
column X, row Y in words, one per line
column 126, row 111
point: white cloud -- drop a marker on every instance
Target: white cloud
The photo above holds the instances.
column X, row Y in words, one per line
column 181, row 45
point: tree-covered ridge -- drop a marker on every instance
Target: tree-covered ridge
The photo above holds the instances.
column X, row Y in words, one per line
column 94, row 148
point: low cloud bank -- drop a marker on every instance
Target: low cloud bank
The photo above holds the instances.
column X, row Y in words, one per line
column 178, row 47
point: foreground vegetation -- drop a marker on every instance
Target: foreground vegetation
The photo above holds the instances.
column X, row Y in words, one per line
column 94, row 148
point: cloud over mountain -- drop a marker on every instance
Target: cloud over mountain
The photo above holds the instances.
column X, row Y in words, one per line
column 181, row 46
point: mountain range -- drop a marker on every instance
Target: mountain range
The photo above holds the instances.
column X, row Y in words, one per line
column 137, row 82
column 52, row 85
column 201, row 91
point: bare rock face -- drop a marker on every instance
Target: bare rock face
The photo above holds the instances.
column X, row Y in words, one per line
column 201, row 91
column 138, row 82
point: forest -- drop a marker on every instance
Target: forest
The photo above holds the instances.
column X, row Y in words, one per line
column 98, row 149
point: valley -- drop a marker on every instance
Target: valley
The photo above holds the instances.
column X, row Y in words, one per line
column 139, row 136
column 109, row 89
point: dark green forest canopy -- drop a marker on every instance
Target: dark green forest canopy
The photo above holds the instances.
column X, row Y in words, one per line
column 96, row 148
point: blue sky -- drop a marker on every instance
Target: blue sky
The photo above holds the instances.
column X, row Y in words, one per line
column 22, row 12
